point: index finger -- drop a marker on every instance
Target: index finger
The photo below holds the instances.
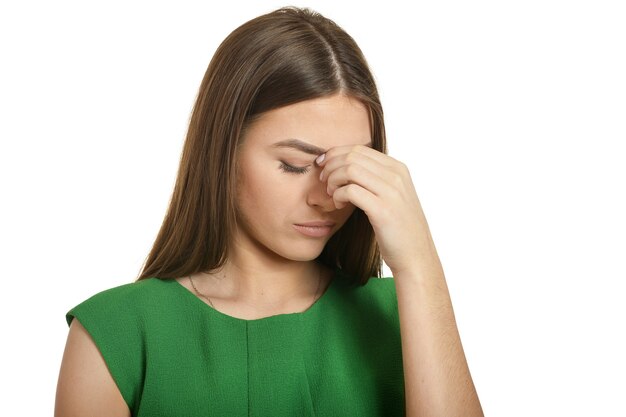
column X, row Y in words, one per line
column 366, row 150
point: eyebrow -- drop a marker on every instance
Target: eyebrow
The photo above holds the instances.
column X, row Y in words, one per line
column 303, row 146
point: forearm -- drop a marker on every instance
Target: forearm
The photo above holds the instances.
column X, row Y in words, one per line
column 437, row 378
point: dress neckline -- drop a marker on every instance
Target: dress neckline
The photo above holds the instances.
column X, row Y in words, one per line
column 282, row 316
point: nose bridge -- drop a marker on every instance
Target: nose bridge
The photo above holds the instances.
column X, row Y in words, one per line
column 316, row 194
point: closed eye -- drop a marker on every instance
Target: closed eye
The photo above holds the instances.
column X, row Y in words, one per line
column 293, row 170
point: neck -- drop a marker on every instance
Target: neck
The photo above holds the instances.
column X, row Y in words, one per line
column 268, row 283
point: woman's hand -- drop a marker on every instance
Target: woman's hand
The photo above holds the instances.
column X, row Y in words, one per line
column 437, row 378
column 381, row 186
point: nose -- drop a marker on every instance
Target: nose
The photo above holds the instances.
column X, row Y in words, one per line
column 317, row 196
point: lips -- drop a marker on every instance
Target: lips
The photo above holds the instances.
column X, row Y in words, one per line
column 316, row 224
column 315, row 229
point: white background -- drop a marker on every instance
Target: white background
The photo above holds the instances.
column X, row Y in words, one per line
column 510, row 115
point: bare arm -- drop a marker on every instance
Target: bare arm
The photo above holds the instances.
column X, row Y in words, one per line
column 436, row 374
column 85, row 386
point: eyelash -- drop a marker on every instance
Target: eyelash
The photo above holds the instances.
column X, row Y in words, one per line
column 293, row 170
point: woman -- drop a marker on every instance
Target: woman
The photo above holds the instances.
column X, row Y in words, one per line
column 261, row 293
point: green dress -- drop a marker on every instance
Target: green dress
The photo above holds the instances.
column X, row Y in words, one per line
column 171, row 354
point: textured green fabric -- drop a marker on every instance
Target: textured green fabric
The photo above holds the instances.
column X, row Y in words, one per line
column 171, row 354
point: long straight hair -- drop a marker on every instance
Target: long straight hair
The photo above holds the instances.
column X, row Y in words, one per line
column 274, row 60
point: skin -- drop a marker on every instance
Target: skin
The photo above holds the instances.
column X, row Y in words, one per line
column 85, row 386
column 437, row 377
column 271, row 269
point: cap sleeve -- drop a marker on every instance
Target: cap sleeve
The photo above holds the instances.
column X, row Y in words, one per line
column 111, row 318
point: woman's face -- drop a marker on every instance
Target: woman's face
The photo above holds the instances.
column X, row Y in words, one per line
column 278, row 187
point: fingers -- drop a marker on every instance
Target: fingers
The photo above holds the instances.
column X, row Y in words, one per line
column 357, row 195
column 358, row 174
column 351, row 151
column 366, row 167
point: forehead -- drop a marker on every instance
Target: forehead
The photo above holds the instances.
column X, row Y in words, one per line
column 324, row 122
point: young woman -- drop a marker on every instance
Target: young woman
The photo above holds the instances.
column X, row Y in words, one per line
column 262, row 293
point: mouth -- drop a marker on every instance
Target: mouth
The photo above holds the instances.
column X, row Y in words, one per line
column 315, row 229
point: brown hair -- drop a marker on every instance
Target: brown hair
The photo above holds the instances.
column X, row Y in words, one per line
column 277, row 59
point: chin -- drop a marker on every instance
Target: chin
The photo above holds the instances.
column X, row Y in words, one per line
column 303, row 254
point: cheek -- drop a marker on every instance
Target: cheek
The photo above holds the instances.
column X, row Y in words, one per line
column 265, row 191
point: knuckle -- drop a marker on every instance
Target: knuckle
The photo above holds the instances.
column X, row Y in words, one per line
column 396, row 179
column 351, row 189
column 351, row 170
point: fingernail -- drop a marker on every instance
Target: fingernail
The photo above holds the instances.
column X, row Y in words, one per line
column 320, row 159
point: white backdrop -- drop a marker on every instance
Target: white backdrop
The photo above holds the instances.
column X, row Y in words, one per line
column 510, row 115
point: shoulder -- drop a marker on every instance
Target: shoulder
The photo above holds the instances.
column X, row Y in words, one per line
column 377, row 295
column 120, row 299
column 373, row 287
column 379, row 287
column 382, row 289
column 385, row 283
column 116, row 320
column 85, row 385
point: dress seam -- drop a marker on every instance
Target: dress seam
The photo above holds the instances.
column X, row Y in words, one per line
column 248, row 366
